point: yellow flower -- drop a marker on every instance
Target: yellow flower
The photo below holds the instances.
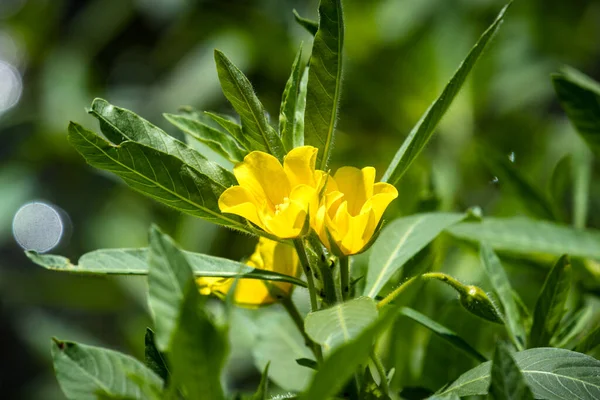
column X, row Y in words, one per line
column 276, row 198
column 268, row 255
column 351, row 208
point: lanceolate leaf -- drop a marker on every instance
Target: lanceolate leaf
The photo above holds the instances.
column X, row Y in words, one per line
column 230, row 125
column 311, row 26
column 84, row 372
column 579, row 95
column 161, row 176
column 201, row 130
column 263, row 387
column 399, row 241
column 239, row 92
column 501, row 285
column 134, row 262
column 550, row 305
column 443, row 332
column 526, row 236
column 154, row 359
column 120, row 125
column 507, row 381
column 290, row 136
column 341, row 323
column 553, row 374
column 421, row 133
column 325, row 80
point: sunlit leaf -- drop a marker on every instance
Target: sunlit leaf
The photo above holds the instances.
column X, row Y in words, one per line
column 341, row 323
column 553, row 374
column 399, row 241
column 325, row 81
column 291, row 136
column 422, row 132
column 550, row 305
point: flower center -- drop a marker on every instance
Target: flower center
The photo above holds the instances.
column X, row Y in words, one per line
column 279, row 208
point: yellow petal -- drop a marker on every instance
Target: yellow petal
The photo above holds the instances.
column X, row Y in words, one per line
column 299, row 166
column 384, row 194
column 354, row 240
column 240, row 201
column 357, row 186
column 264, row 177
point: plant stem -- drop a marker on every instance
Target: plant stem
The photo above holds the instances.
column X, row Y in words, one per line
column 301, row 250
column 292, row 310
column 381, row 371
column 344, row 274
column 390, row 297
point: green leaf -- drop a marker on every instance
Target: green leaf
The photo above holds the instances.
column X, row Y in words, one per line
column 590, row 341
column 572, row 329
column 134, row 262
column 84, row 372
column 308, row 363
column 238, row 90
column 120, row 125
column 550, row 305
column 325, row 80
column 311, row 26
column 199, row 349
column 161, row 176
column 579, row 96
column 525, row 236
column 263, row 387
column 291, row 136
column 202, row 130
column 341, row 323
column 531, row 197
column 553, row 374
column 443, row 332
column 422, row 132
column 507, row 381
column 561, row 181
column 230, row 125
column 154, row 359
column 343, row 361
column 497, row 276
column 169, row 277
column 399, row 241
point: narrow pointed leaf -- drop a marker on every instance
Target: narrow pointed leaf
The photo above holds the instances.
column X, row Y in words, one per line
column 507, row 381
column 230, row 125
column 308, row 24
column 290, row 136
column 341, row 323
column 422, row 132
column 84, row 372
column 325, row 81
column 553, row 374
column 550, row 305
column 239, row 92
column 154, row 359
column 590, row 341
column 399, row 241
column 161, row 176
column 443, row 332
column 263, row 386
column 497, row 276
column 134, row 262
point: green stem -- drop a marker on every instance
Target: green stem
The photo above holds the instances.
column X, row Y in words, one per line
column 381, row 371
column 344, row 274
column 292, row 310
column 390, row 297
column 301, row 250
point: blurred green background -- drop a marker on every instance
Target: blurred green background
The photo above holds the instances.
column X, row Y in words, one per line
column 153, row 56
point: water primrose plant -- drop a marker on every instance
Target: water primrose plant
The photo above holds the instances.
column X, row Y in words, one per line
column 362, row 281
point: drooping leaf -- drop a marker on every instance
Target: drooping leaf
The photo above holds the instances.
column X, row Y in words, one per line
column 120, row 125
column 443, row 332
column 288, row 127
column 263, row 386
column 134, row 262
column 154, row 358
column 325, row 80
column 238, row 90
column 422, row 132
column 308, row 24
column 550, row 305
column 497, row 276
column 343, row 361
column 591, row 340
column 553, row 374
column 525, row 236
column 341, row 323
column 202, row 130
column 84, row 372
column 399, row 241
column 579, row 96
column 507, row 381
column 161, row 176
